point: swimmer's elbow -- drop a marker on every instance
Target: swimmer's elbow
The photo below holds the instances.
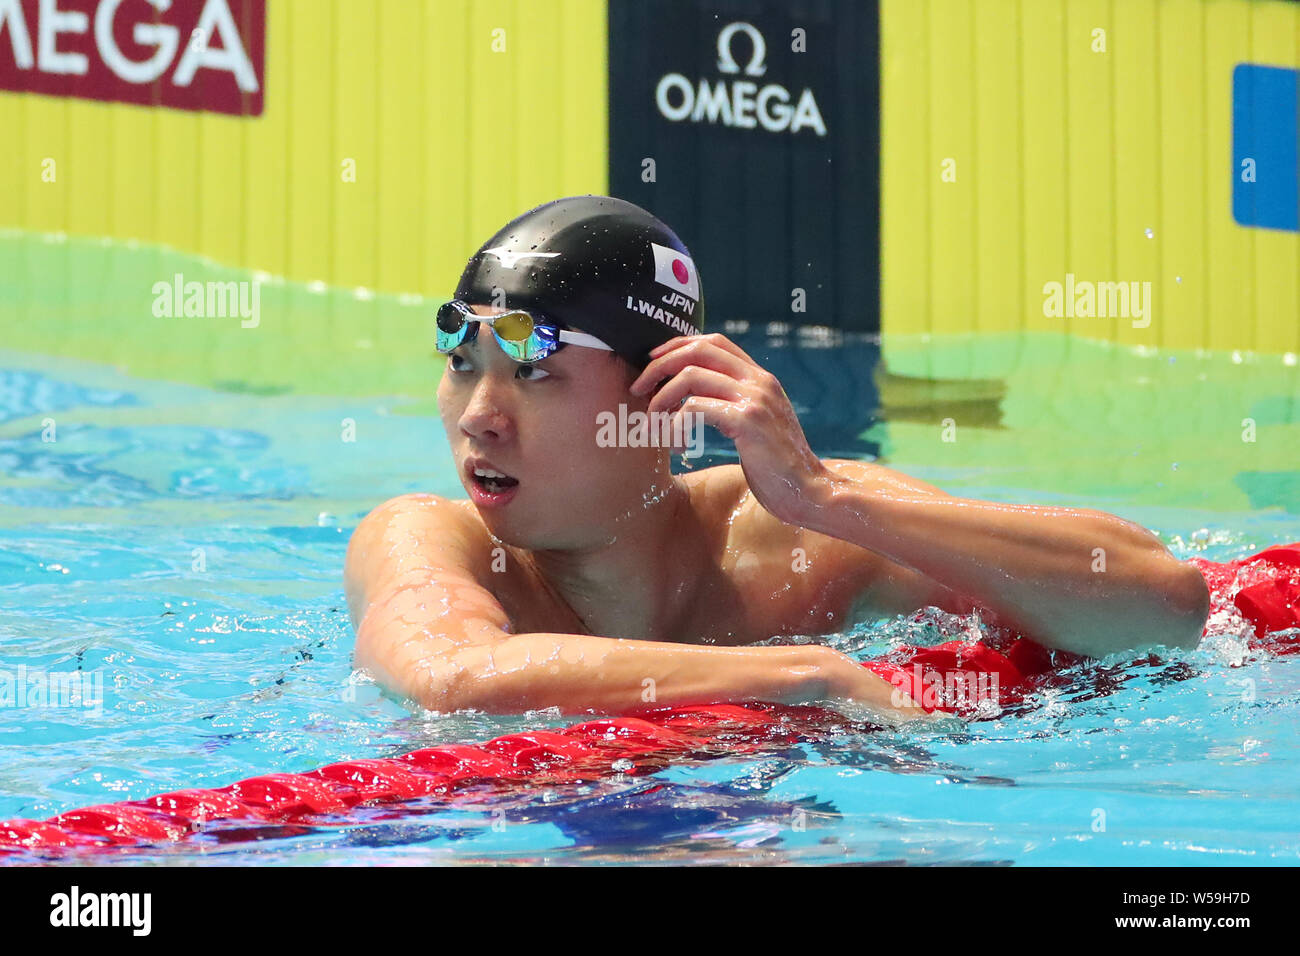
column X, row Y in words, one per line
column 436, row 684
column 460, row 680
column 442, row 687
column 399, row 668
column 1189, row 604
column 1183, row 605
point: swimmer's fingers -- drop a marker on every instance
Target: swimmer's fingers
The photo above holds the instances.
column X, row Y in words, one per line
column 723, row 415
column 710, row 340
column 694, row 380
column 706, row 351
column 717, row 338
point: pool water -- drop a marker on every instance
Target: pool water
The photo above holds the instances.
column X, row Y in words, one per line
column 186, row 543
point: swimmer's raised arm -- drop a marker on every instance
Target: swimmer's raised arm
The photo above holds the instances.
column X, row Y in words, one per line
column 427, row 630
column 1076, row 579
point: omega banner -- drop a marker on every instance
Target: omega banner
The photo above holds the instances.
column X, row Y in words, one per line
column 185, row 54
column 753, row 129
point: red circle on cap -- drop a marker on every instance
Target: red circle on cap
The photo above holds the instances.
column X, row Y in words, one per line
column 680, row 272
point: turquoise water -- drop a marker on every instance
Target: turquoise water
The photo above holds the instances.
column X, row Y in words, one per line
column 186, row 545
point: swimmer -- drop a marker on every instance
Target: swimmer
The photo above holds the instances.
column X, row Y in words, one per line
column 581, row 574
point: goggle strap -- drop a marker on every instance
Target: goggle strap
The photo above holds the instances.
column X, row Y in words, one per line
column 582, row 338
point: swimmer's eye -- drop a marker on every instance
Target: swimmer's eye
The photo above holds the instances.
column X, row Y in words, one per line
column 532, row 368
column 529, row 373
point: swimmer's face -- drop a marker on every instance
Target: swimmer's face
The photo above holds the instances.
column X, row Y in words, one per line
column 538, row 423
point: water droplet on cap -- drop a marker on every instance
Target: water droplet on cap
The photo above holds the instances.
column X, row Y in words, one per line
column 1150, row 233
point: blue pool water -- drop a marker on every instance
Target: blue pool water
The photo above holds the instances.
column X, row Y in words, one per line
column 186, row 545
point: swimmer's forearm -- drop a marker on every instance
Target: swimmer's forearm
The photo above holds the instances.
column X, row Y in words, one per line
column 1039, row 569
column 581, row 673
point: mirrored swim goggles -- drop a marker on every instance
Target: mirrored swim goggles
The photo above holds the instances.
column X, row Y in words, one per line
column 521, row 335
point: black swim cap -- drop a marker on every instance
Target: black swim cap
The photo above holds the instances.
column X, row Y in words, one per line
column 596, row 264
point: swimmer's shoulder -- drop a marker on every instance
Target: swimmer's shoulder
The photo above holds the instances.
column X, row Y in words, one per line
column 408, row 532
column 724, row 503
column 424, row 519
column 722, row 497
column 408, row 511
column 752, row 535
column 716, row 492
column 716, row 480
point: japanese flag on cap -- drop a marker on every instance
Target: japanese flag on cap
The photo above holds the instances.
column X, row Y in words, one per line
column 676, row 270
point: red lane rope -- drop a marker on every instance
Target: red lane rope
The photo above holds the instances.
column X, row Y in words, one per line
column 1265, row 588
column 581, row 752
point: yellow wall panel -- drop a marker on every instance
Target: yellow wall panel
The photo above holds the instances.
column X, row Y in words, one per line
column 447, row 233
column 133, row 175
column 266, row 222
column 1137, row 159
column 1090, row 150
column 1001, row 294
column 1230, row 250
column 14, row 163
column 1275, row 40
column 44, row 137
column 1179, row 317
column 952, row 150
column 449, row 139
column 305, row 110
column 221, row 160
column 492, row 54
column 536, row 57
column 583, row 109
column 356, row 53
column 1118, row 168
column 88, row 181
column 1046, row 210
column 176, row 144
column 399, row 172
column 906, row 168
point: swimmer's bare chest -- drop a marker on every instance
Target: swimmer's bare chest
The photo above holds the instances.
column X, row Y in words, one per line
column 770, row 580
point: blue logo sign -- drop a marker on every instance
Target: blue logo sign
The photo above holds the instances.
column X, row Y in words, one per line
column 1266, row 147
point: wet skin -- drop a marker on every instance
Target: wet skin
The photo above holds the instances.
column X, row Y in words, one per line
column 604, row 574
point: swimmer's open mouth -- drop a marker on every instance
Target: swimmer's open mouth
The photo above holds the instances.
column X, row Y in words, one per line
column 490, row 479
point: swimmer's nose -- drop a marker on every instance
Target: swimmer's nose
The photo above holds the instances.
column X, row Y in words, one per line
column 484, row 418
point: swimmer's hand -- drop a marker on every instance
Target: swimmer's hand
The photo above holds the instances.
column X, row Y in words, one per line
column 711, row 376
column 861, row 694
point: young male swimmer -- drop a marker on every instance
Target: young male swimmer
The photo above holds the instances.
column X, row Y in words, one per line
column 590, row 578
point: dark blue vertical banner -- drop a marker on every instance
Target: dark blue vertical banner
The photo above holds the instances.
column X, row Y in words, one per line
column 762, row 119
column 1266, row 147
column 752, row 127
